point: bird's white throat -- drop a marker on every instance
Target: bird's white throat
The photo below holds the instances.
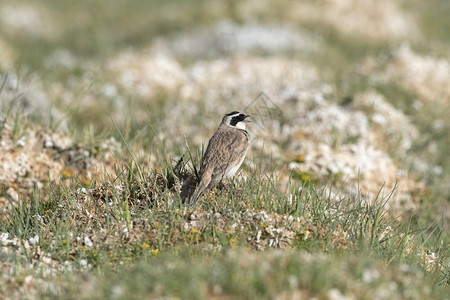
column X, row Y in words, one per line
column 240, row 125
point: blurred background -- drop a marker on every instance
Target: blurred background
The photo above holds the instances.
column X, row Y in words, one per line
column 339, row 89
column 350, row 100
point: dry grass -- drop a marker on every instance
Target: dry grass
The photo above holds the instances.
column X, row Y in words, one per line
column 104, row 111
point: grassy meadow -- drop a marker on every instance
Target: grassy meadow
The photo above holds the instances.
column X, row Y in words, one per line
column 107, row 107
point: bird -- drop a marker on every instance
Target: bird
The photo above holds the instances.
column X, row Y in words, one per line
column 225, row 153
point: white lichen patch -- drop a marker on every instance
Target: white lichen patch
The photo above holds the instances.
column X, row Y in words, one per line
column 230, row 38
column 24, row 166
column 33, row 157
column 27, row 19
column 147, row 73
column 350, row 144
column 424, row 75
column 376, row 20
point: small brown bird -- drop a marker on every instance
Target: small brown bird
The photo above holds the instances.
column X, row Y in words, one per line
column 225, row 153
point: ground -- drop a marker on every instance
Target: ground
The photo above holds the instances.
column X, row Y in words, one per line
column 106, row 109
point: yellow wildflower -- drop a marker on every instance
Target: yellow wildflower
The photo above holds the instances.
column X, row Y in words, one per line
column 66, row 174
column 306, row 235
column 233, row 243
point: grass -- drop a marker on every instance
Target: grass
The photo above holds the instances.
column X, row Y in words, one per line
column 115, row 25
column 134, row 223
column 126, row 225
column 128, row 234
column 247, row 275
column 433, row 24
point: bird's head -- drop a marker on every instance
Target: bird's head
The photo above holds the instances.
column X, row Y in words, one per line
column 235, row 119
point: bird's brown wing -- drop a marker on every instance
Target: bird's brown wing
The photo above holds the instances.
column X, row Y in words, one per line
column 229, row 147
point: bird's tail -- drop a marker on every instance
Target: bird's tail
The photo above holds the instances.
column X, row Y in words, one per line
column 195, row 196
column 199, row 190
